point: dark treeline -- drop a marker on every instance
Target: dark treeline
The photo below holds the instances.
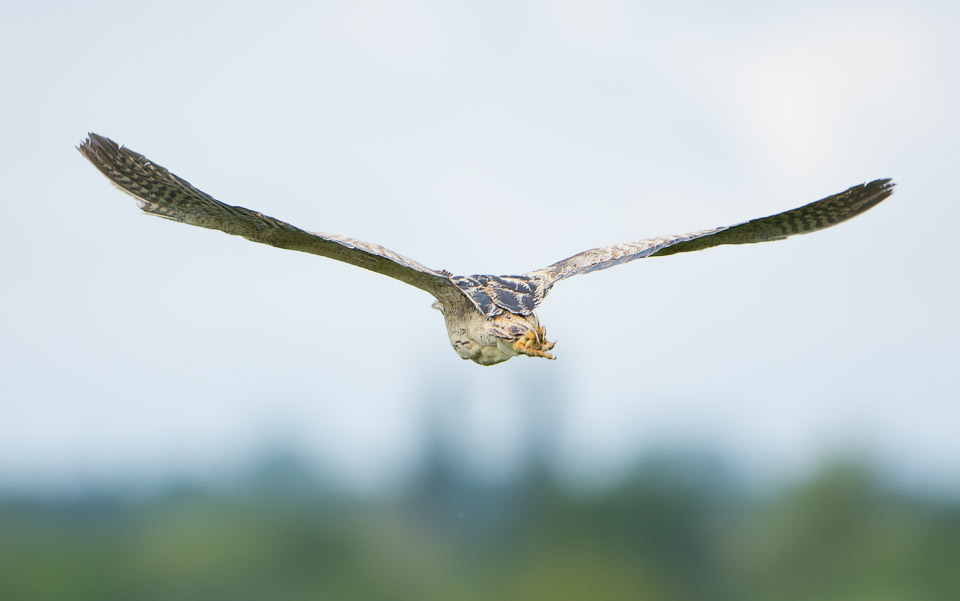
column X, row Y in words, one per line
column 672, row 530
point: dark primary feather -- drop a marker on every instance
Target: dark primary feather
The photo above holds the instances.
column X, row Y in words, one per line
column 162, row 193
column 815, row 216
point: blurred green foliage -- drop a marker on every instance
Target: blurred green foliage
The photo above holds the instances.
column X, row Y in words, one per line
column 671, row 531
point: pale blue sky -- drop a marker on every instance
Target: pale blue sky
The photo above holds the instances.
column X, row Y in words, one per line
column 489, row 137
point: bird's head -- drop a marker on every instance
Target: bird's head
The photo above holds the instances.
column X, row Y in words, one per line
column 469, row 333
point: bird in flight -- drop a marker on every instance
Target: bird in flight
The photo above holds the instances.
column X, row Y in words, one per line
column 489, row 318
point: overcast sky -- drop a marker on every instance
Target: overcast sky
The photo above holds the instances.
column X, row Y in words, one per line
column 482, row 137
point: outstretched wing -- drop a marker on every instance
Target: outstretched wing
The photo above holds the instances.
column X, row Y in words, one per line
column 520, row 294
column 161, row 193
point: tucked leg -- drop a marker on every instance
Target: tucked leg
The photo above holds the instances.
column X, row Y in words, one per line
column 534, row 343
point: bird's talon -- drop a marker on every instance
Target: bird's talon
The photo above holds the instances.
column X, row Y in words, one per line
column 534, row 343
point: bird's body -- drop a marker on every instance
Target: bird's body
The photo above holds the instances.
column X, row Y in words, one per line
column 489, row 319
column 489, row 340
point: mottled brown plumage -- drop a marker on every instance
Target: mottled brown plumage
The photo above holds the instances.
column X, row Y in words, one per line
column 489, row 319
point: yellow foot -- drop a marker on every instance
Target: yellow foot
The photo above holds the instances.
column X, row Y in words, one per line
column 534, row 344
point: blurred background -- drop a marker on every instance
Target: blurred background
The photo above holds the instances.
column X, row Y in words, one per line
column 187, row 415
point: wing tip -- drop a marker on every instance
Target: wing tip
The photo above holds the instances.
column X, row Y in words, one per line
column 870, row 194
column 882, row 185
column 95, row 143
